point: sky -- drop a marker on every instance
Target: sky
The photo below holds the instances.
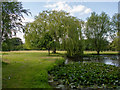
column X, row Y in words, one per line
column 81, row 9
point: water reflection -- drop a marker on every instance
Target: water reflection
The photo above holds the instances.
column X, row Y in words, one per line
column 107, row 59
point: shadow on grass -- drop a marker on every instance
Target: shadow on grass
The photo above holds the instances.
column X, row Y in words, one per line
column 4, row 63
column 4, row 53
column 56, row 54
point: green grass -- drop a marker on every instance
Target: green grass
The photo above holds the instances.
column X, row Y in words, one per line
column 27, row 69
column 104, row 52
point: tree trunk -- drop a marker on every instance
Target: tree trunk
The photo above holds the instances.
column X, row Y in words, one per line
column 98, row 52
column 54, row 50
column 48, row 51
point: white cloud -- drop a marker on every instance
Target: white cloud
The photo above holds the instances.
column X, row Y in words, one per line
column 69, row 0
column 61, row 6
column 79, row 9
column 88, row 10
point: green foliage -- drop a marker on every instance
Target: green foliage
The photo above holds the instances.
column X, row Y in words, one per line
column 12, row 15
column 73, row 39
column 78, row 75
column 12, row 44
column 65, row 31
column 46, row 41
column 116, row 22
column 59, row 62
column 116, row 28
column 88, row 45
column 5, row 46
column 98, row 30
column 114, row 45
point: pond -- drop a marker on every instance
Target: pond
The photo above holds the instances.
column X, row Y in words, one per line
column 107, row 59
column 55, row 81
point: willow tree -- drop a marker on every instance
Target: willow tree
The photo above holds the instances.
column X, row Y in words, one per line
column 72, row 38
column 64, row 30
column 46, row 22
column 98, row 29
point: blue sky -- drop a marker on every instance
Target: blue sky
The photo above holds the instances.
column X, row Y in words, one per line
column 80, row 10
column 108, row 7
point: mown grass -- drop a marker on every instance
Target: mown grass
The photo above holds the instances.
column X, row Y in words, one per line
column 104, row 52
column 27, row 69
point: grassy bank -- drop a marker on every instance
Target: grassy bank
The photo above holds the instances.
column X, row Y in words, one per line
column 27, row 69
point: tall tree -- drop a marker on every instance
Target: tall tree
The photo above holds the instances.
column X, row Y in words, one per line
column 116, row 28
column 98, row 30
column 64, row 29
column 12, row 15
column 72, row 38
column 47, row 21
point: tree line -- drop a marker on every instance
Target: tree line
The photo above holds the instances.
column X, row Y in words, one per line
column 57, row 30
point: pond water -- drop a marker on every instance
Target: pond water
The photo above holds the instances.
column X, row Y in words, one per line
column 107, row 59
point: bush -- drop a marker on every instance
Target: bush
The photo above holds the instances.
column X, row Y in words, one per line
column 78, row 75
column 12, row 44
column 5, row 47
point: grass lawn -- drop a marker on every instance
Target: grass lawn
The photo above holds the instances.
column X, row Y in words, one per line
column 29, row 69
column 26, row 69
column 104, row 52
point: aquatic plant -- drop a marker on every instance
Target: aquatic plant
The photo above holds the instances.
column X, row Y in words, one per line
column 79, row 75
